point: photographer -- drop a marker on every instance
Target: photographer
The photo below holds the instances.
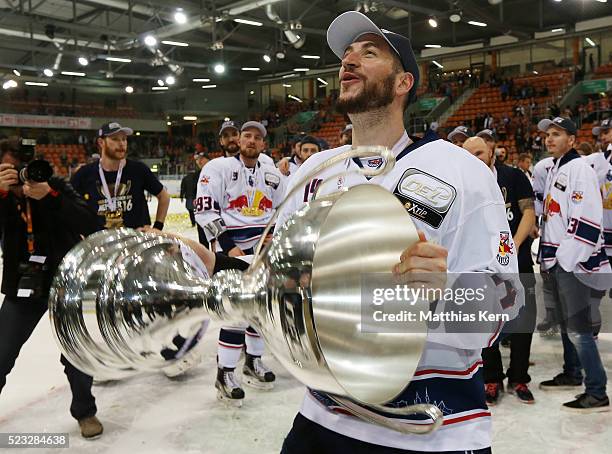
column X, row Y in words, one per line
column 41, row 219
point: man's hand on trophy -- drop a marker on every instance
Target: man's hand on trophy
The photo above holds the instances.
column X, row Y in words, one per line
column 423, row 264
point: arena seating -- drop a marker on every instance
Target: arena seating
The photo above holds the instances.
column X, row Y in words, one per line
column 330, row 131
column 603, row 71
column 54, row 154
column 33, row 107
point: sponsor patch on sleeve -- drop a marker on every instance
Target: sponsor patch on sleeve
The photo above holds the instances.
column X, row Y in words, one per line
column 577, row 196
column 425, row 197
column 505, row 249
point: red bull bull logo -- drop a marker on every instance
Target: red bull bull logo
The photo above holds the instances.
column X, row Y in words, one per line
column 505, row 248
column 551, row 206
column 259, row 205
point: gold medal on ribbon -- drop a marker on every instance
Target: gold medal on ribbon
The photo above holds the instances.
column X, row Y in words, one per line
column 114, row 219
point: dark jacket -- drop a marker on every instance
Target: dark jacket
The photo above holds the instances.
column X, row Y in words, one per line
column 189, row 188
column 58, row 221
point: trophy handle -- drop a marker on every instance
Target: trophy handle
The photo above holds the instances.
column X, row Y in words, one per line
column 431, row 411
column 357, row 152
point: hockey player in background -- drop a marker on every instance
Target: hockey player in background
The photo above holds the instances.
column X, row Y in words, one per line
column 571, row 251
column 462, row 230
column 236, row 197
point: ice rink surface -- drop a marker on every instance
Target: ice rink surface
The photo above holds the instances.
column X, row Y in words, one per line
column 153, row 414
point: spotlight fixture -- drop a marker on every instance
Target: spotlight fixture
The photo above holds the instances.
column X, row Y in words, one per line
column 267, row 58
column 9, row 84
column 16, row 72
column 180, row 17
column 219, row 68
column 129, row 89
column 476, row 23
column 280, row 55
column 47, row 72
column 170, row 80
column 226, row 119
column 455, row 17
column 590, row 41
column 175, row 43
column 83, row 61
column 437, row 64
column 160, row 82
column 252, row 92
column 150, row 41
column 248, row 22
column 433, row 23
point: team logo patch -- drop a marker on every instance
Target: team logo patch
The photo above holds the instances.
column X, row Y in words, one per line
column 425, row 196
column 505, row 248
column 272, row 180
column 551, row 207
column 376, row 162
column 577, row 196
column 205, row 179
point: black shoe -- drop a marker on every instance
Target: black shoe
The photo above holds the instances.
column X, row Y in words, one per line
column 561, row 381
column 585, row 403
column 522, row 392
column 546, row 325
column 492, row 393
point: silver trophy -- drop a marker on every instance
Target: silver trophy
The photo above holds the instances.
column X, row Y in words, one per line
column 121, row 296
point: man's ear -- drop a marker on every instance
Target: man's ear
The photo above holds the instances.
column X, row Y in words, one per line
column 406, row 81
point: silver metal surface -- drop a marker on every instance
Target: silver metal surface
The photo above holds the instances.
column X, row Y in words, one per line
column 302, row 293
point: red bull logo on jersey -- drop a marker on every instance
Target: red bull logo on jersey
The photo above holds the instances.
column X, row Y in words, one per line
column 259, row 206
column 551, row 207
column 205, row 179
column 504, row 251
column 577, row 196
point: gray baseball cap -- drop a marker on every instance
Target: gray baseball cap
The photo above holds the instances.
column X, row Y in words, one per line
column 255, row 124
column 604, row 125
column 564, row 123
column 459, row 130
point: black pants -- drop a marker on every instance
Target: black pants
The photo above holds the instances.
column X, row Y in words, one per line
column 520, row 334
column 192, row 217
column 18, row 318
column 307, row 437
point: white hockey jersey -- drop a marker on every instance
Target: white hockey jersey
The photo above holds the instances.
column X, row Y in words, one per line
column 245, row 199
column 603, row 169
column 455, row 200
column 540, row 171
column 571, row 228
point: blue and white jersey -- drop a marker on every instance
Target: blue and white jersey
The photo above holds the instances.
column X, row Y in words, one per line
column 601, row 163
column 572, row 234
column 455, row 200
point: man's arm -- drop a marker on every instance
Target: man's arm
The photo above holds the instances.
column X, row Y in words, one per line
column 163, row 202
column 527, row 222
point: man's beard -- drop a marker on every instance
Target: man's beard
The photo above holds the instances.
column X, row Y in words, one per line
column 250, row 153
column 373, row 96
column 231, row 149
column 115, row 154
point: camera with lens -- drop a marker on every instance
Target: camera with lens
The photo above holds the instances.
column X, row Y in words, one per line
column 30, row 169
column 34, row 279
